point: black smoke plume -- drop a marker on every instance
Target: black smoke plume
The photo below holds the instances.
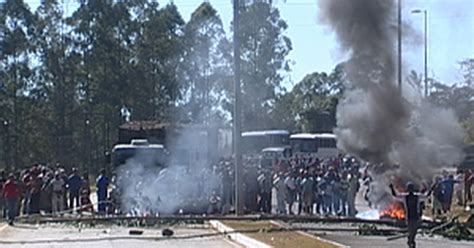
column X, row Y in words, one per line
column 375, row 122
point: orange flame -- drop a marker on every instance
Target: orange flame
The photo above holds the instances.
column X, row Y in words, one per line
column 394, row 210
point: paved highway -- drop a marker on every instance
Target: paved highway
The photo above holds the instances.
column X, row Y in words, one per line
column 32, row 236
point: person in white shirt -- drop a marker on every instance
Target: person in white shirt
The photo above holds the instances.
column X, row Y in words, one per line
column 57, row 186
column 279, row 184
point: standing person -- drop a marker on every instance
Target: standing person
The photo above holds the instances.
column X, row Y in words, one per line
column 252, row 189
column 413, row 201
column 47, row 193
column 279, row 184
column 85, row 192
column 458, row 188
column 299, row 190
column 468, row 181
column 291, row 191
column 11, row 192
column 367, row 181
column 318, row 182
column 448, row 188
column 336, row 196
column 308, row 193
column 226, row 188
column 352, row 193
column 215, row 203
column 437, row 198
column 26, row 192
column 57, row 199
column 64, row 177
column 102, row 183
column 265, row 183
column 74, row 184
column 343, row 192
column 34, row 185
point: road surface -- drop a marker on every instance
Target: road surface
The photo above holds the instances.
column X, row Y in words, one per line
column 53, row 236
column 352, row 239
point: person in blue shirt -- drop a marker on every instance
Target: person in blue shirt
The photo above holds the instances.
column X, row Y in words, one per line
column 448, row 188
column 74, row 184
column 102, row 183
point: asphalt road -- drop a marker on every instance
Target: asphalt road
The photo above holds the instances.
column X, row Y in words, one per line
column 22, row 235
column 355, row 241
column 352, row 239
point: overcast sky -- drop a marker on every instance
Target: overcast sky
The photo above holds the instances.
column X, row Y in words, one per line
column 451, row 34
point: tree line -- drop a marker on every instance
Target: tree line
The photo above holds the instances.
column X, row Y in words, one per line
column 68, row 80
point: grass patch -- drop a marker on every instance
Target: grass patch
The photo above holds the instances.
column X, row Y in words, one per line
column 277, row 239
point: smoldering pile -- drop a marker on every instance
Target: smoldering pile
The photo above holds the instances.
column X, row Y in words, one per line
column 148, row 190
column 375, row 122
column 184, row 185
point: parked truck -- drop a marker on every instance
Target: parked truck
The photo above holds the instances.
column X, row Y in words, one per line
column 185, row 144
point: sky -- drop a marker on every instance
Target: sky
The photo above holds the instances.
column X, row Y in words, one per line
column 450, row 35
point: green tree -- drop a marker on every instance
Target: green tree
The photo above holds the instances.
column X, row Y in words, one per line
column 56, row 82
column 467, row 71
column 264, row 50
column 458, row 96
column 101, row 43
column 16, row 27
column 157, row 53
column 311, row 105
column 206, row 67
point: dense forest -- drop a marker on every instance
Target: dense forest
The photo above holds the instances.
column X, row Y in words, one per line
column 67, row 81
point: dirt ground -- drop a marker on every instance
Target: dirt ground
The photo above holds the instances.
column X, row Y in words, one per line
column 456, row 210
column 278, row 239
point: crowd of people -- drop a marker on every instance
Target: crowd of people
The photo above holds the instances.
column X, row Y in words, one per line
column 300, row 184
column 44, row 190
column 310, row 185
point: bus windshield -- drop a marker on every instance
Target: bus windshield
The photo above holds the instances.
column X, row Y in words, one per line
column 278, row 140
column 255, row 141
column 304, row 145
column 143, row 155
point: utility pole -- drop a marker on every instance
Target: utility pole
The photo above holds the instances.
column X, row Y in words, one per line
column 239, row 197
column 426, row 54
column 400, row 46
column 425, row 13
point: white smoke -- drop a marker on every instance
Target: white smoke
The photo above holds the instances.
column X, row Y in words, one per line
column 186, row 184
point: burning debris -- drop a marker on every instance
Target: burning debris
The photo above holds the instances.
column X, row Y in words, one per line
column 394, row 210
column 375, row 121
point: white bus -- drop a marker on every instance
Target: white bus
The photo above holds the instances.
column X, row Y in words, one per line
column 321, row 145
column 254, row 141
